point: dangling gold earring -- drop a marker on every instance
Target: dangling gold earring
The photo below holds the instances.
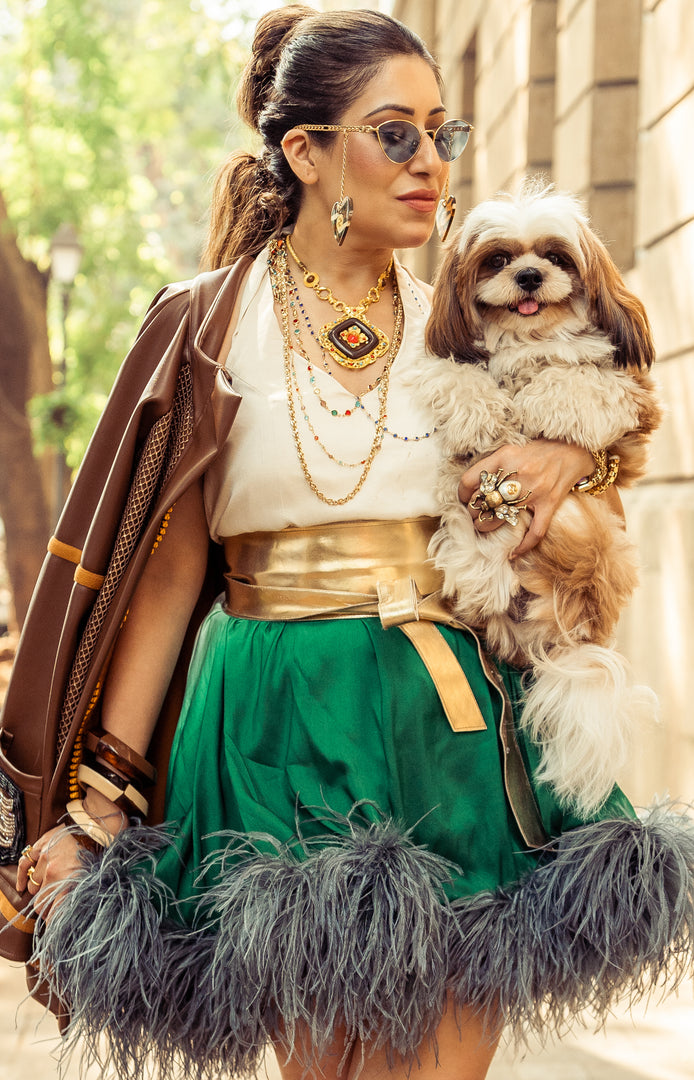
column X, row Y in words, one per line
column 445, row 212
column 341, row 213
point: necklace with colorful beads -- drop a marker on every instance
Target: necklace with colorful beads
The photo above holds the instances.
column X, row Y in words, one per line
column 295, row 301
column 358, row 404
column 307, row 419
column 277, row 261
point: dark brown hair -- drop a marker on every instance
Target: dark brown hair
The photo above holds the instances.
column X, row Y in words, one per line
column 305, row 68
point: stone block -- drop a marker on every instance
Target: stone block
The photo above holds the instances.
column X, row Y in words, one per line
column 504, row 153
column 572, row 147
column 672, row 452
column 614, row 134
column 575, row 57
column 496, row 26
column 566, row 10
column 612, row 214
column 656, row 633
column 500, row 79
column 663, row 277
column 543, row 39
column 666, row 178
column 617, row 39
column 540, row 124
column 667, row 71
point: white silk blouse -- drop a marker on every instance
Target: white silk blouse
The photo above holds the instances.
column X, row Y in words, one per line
column 257, row 484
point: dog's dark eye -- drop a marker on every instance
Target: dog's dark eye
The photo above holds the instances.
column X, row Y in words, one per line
column 556, row 259
column 499, row 260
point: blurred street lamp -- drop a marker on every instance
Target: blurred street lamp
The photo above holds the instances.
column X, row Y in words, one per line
column 66, row 256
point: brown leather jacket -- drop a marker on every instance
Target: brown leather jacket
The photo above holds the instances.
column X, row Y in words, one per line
column 169, row 413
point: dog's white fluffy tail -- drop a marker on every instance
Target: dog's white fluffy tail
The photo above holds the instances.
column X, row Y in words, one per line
column 582, row 709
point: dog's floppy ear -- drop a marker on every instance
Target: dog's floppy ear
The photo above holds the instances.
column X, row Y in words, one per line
column 614, row 309
column 453, row 327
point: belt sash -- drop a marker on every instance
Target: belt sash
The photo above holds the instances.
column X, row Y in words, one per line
column 374, row 569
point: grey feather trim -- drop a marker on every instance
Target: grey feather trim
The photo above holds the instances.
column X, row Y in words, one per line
column 355, row 935
column 124, row 967
column 294, row 942
column 102, row 952
column 609, row 915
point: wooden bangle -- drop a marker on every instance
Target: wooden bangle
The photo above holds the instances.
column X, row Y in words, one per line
column 122, row 756
column 89, row 825
column 100, row 751
column 126, row 798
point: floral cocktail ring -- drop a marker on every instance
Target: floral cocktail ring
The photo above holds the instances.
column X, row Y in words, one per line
column 499, row 496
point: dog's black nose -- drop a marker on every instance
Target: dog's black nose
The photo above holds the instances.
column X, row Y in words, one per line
column 529, row 278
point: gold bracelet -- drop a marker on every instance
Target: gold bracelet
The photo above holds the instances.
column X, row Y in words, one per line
column 604, row 473
column 609, row 478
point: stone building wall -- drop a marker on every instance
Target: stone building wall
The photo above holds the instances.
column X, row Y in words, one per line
column 599, row 96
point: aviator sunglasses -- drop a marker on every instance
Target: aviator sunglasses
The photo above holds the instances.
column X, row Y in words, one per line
column 400, row 139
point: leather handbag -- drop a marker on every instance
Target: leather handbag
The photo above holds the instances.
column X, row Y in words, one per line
column 168, row 415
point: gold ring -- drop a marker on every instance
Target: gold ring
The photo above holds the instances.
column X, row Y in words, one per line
column 500, row 497
column 26, row 854
column 30, row 875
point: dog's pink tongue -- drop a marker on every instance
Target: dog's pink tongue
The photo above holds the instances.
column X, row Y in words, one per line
column 528, row 307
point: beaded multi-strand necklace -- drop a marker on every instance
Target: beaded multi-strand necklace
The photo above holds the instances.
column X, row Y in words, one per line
column 281, row 282
column 294, row 302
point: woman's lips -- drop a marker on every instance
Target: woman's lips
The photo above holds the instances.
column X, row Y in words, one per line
column 422, row 200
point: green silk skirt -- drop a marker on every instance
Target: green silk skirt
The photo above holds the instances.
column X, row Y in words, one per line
column 340, row 864
column 286, row 726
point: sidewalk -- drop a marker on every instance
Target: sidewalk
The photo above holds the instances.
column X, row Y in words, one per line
column 657, row 1046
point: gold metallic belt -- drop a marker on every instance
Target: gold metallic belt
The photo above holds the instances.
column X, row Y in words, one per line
column 372, row 569
column 354, row 570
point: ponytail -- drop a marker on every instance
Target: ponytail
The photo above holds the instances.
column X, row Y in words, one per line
column 247, row 210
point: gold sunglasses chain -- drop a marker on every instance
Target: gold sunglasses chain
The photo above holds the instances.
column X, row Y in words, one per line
column 369, row 129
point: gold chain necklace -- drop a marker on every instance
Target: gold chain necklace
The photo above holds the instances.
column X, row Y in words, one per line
column 311, row 368
column 299, row 346
column 279, row 277
column 352, row 341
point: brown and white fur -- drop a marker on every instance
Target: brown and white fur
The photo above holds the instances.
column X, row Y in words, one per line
column 535, row 335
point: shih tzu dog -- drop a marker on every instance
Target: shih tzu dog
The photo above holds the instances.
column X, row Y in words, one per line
column 534, row 335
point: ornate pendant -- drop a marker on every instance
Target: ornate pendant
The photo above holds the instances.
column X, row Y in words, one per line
column 341, row 218
column 353, row 342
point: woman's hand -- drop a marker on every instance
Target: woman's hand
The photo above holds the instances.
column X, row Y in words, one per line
column 54, row 857
column 547, row 469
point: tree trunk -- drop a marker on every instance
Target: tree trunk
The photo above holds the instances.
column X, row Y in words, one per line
column 25, row 368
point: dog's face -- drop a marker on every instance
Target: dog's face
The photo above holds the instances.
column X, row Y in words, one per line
column 529, row 268
column 526, row 284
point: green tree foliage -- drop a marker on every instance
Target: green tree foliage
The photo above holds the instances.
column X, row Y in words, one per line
column 114, row 115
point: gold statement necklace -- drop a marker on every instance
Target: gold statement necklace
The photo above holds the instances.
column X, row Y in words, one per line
column 352, row 340
column 280, row 280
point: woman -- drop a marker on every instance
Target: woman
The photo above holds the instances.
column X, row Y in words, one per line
column 365, row 875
